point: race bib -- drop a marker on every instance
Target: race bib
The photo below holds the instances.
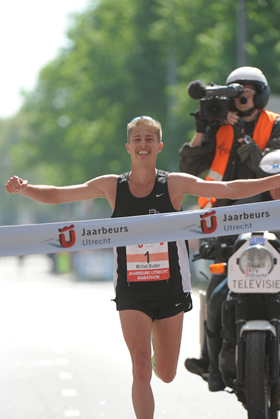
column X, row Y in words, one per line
column 147, row 262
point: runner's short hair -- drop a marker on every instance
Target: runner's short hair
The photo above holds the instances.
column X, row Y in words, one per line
column 144, row 120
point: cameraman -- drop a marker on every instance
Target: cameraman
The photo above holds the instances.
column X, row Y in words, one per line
column 229, row 149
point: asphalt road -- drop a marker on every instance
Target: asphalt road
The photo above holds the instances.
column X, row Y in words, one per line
column 62, row 354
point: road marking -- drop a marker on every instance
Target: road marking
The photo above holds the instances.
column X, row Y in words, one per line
column 59, row 350
column 65, row 375
column 69, row 392
column 72, row 413
column 42, row 363
column 61, row 361
column 17, row 364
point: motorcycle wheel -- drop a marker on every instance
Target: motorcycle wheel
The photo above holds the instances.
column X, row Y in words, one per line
column 258, row 392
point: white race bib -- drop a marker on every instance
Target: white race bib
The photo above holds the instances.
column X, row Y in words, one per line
column 147, row 262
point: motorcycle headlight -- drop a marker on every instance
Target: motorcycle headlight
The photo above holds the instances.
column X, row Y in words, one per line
column 256, row 256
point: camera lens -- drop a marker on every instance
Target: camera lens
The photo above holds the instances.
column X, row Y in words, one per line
column 214, row 108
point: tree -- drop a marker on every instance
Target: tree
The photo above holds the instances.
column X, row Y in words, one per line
column 130, row 58
column 83, row 100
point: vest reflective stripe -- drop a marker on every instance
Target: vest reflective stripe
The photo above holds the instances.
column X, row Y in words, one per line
column 224, row 141
column 214, row 175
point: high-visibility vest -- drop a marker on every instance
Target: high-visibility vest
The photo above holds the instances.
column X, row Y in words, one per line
column 224, row 141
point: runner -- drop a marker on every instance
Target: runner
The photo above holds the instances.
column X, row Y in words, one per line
column 150, row 300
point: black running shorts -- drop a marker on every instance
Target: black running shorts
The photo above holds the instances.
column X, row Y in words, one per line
column 157, row 309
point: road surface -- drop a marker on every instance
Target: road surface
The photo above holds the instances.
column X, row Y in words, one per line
column 62, row 353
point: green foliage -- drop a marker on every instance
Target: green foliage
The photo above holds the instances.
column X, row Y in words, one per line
column 84, row 99
column 264, row 39
column 16, row 209
column 130, row 58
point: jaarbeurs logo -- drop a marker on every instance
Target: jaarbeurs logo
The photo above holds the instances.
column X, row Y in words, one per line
column 71, row 239
column 208, row 226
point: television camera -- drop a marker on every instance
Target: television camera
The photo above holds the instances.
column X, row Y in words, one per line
column 215, row 101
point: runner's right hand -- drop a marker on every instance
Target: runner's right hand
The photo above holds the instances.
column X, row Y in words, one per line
column 16, row 185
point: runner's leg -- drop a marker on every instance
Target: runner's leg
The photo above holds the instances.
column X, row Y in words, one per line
column 167, row 334
column 136, row 327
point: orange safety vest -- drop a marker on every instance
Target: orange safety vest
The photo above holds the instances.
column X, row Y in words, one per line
column 224, row 141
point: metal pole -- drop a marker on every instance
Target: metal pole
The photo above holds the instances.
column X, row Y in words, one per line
column 171, row 79
column 241, row 56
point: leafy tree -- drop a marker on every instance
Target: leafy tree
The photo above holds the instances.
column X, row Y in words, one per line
column 263, row 44
column 83, row 100
column 131, row 58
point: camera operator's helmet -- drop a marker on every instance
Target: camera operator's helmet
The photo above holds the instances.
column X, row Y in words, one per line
column 254, row 76
column 269, row 164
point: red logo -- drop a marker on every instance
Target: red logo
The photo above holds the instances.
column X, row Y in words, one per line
column 72, row 236
column 213, row 220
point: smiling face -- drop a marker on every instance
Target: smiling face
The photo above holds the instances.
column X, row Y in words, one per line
column 144, row 144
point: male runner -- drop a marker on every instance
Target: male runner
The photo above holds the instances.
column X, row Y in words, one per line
column 147, row 306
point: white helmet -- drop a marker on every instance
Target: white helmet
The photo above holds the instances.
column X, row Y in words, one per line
column 269, row 164
column 254, row 76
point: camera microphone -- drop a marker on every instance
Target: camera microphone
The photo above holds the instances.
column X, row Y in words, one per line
column 215, row 100
column 243, row 100
column 196, row 89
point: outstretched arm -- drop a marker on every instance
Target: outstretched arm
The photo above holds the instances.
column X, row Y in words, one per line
column 238, row 189
column 100, row 187
column 181, row 184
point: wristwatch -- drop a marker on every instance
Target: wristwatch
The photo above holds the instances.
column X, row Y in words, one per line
column 246, row 140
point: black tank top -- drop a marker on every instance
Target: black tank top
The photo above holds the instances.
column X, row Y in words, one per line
column 158, row 201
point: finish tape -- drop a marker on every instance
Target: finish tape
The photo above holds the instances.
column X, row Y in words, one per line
column 152, row 228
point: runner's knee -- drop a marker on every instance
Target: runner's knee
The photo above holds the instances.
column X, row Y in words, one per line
column 165, row 373
column 142, row 368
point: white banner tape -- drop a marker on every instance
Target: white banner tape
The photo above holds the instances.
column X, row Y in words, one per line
column 111, row 232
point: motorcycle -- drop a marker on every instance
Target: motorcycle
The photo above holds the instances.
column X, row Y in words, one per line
column 249, row 358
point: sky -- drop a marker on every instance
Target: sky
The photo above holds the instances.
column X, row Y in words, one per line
column 31, row 34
